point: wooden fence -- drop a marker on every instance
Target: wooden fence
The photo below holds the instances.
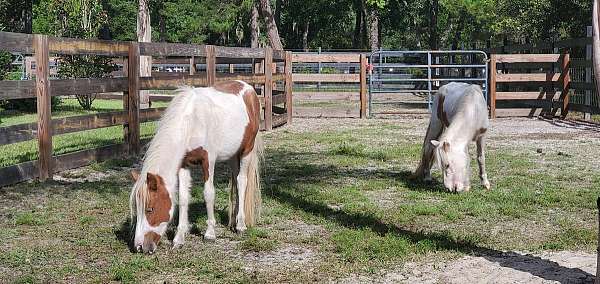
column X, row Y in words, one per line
column 130, row 118
column 341, row 103
column 581, row 94
column 550, row 86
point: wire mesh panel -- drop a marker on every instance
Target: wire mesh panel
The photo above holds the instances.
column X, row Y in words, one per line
column 405, row 81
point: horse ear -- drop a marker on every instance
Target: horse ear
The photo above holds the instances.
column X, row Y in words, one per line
column 446, row 146
column 435, row 143
column 135, row 175
column 152, row 181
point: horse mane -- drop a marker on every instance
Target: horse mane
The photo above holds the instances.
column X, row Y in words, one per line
column 171, row 124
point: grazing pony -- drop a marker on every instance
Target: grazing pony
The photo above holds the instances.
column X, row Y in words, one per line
column 200, row 127
column 459, row 116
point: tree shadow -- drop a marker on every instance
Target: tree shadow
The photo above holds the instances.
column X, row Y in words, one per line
column 288, row 175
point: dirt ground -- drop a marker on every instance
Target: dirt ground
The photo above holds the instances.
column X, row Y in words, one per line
column 294, row 243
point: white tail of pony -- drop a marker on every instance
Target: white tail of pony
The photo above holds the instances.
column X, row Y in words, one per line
column 253, row 199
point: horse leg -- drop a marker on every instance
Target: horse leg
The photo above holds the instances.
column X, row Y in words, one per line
column 433, row 132
column 481, row 161
column 185, row 184
column 242, row 182
column 209, row 198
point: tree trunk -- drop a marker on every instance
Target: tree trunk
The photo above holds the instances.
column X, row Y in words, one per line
column 28, row 19
column 373, row 28
column 254, row 28
column 433, row 31
column 144, row 34
column 305, row 36
column 278, row 5
column 596, row 63
column 272, row 32
column 357, row 39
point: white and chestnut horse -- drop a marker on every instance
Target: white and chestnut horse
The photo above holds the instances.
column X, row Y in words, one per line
column 200, row 127
column 459, row 116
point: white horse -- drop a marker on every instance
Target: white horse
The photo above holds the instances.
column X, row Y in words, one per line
column 459, row 116
column 200, row 127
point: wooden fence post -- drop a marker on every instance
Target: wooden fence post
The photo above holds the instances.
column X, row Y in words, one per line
column 289, row 102
column 492, row 86
column 363, row 85
column 566, row 81
column 44, row 114
column 192, row 65
column 211, row 65
column 133, row 99
column 588, row 75
column 268, row 89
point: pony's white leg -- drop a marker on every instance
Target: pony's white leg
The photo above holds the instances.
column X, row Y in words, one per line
column 481, row 161
column 242, row 182
column 185, row 184
column 434, row 130
column 209, row 198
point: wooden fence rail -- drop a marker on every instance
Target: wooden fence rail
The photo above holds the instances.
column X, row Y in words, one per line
column 357, row 109
column 277, row 107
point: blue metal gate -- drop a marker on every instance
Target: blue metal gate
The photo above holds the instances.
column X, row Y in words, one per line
column 404, row 81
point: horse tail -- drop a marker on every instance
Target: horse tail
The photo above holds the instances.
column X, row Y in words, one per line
column 252, row 198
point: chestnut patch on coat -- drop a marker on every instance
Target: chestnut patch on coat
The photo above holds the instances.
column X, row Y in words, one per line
column 253, row 110
column 479, row 132
column 196, row 157
column 159, row 202
column 151, row 238
column 231, row 87
column 441, row 113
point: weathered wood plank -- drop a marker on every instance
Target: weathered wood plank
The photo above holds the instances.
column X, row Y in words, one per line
column 88, row 86
column 515, row 58
column 492, row 77
column 526, row 95
column 279, row 119
column 19, row 173
column 268, row 90
column 40, row 45
column 133, row 99
column 335, row 58
column 334, row 78
column 171, row 49
column 211, row 65
column 86, row 157
column 528, row 77
column 72, row 46
column 16, row 42
column 328, row 96
column 17, row 89
column 277, row 99
column 289, row 103
column 363, row 86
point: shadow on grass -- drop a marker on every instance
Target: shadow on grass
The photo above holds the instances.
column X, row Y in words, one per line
column 287, row 175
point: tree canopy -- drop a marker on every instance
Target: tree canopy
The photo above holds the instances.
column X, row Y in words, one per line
column 302, row 24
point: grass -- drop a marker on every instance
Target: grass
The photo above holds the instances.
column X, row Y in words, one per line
column 337, row 201
column 26, row 151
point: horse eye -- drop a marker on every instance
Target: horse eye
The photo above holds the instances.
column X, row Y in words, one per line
column 447, row 167
column 149, row 210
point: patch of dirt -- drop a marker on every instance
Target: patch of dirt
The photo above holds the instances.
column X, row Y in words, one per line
column 287, row 256
column 508, row 267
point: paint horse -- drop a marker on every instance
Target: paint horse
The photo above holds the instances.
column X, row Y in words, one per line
column 199, row 127
column 459, row 116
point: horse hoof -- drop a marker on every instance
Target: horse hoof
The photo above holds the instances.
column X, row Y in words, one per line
column 487, row 185
column 176, row 246
column 240, row 229
column 209, row 237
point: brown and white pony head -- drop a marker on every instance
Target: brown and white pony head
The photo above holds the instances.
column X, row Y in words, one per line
column 152, row 207
column 455, row 165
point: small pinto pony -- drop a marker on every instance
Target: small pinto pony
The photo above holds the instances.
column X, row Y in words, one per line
column 200, row 127
column 459, row 116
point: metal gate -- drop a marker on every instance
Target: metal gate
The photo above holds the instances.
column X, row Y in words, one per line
column 403, row 82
